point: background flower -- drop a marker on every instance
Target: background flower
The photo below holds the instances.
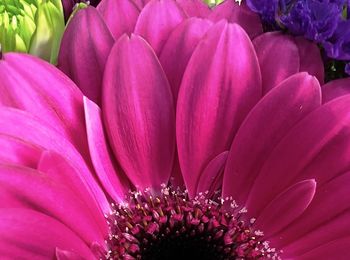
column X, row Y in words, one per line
column 35, row 27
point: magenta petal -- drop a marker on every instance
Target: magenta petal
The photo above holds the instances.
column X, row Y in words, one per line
column 64, row 173
column 101, row 155
column 288, row 205
column 194, row 8
column 335, row 89
column 21, row 125
column 206, row 122
column 142, row 135
column 310, row 58
column 178, row 49
column 23, row 187
column 157, row 20
column 120, row 16
column 330, row 200
column 240, row 14
column 332, row 229
column 337, row 249
column 282, row 108
column 15, row 151
column 32, row 235
column 85, row 46
column 278, row 58
column 211, row 178
column 320, row 132
column 47, row 94
column 67, row 255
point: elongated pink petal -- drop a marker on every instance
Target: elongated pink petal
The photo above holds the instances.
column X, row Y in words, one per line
column 328, row 202
column 288, row 205
column 33, row 235
column 278, row 58
column 335, row 89
column 211, row 178
column 17, row 190
column 27, row 128
column 220, row 85
column 157, row 20
column 194, row 8
column 337, row 249
column 282, row 108
column 240, row 14
column 32, row 85
column 120, row 16
column 179, row 48
column 67, row 255
column 310, row 58
column 139, row 113
column 60, row 171
column 85, row 46
column 15, row 151
column 317, row 133
column 101, row 155
column 334, row 228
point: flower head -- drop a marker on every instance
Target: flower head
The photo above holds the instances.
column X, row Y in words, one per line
column 239, row 161
column 35, row 27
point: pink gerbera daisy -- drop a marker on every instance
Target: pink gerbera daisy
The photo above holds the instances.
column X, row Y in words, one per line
column 237, row 163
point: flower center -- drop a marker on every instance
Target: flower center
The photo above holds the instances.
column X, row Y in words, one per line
column 172, row 226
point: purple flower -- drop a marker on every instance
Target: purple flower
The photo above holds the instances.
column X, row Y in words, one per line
column 338, row 46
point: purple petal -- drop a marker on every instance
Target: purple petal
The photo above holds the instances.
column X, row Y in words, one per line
column 179, row 48
column 33, row 235
column 278, row 58
column 23, row 187
column 157, row 20
column 120, row 16
column 142, row 135
column 319, row 133
column 194, row 8
column 291, row 203
column 220, row 85
column 101, row 155
column 85, row 46
column 240, row 14
column 335, row 89
column 282, row 108
column 47, row 93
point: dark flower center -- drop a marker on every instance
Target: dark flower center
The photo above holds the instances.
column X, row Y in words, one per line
column 172, row 226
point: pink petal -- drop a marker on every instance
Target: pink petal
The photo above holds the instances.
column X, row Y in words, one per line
column 335, row 89
column 23, row 187
column 25, row 127
column 333, row 229
column 15, row 151
column 278, row 58
column 211, row 178
column 317, row 133
column 120, row 16
column 288, row 205
column 240, row 14
column 157, row 20
column 337, row 249
column 85, row 46
column 310, row 58
column 194, row 8
column 282, row 108
column 100, row 152
column 67, row 255
column 330, row 201
column 33, row 235
column 60, row 171
column 221, row 84
column 142, row 135
column 47, row 94
column 179, row 48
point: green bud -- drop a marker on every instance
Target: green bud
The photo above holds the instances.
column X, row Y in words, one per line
column 32, row 26
column 212, row 3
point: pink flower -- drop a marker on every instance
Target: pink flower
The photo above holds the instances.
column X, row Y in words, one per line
column 264, row 156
